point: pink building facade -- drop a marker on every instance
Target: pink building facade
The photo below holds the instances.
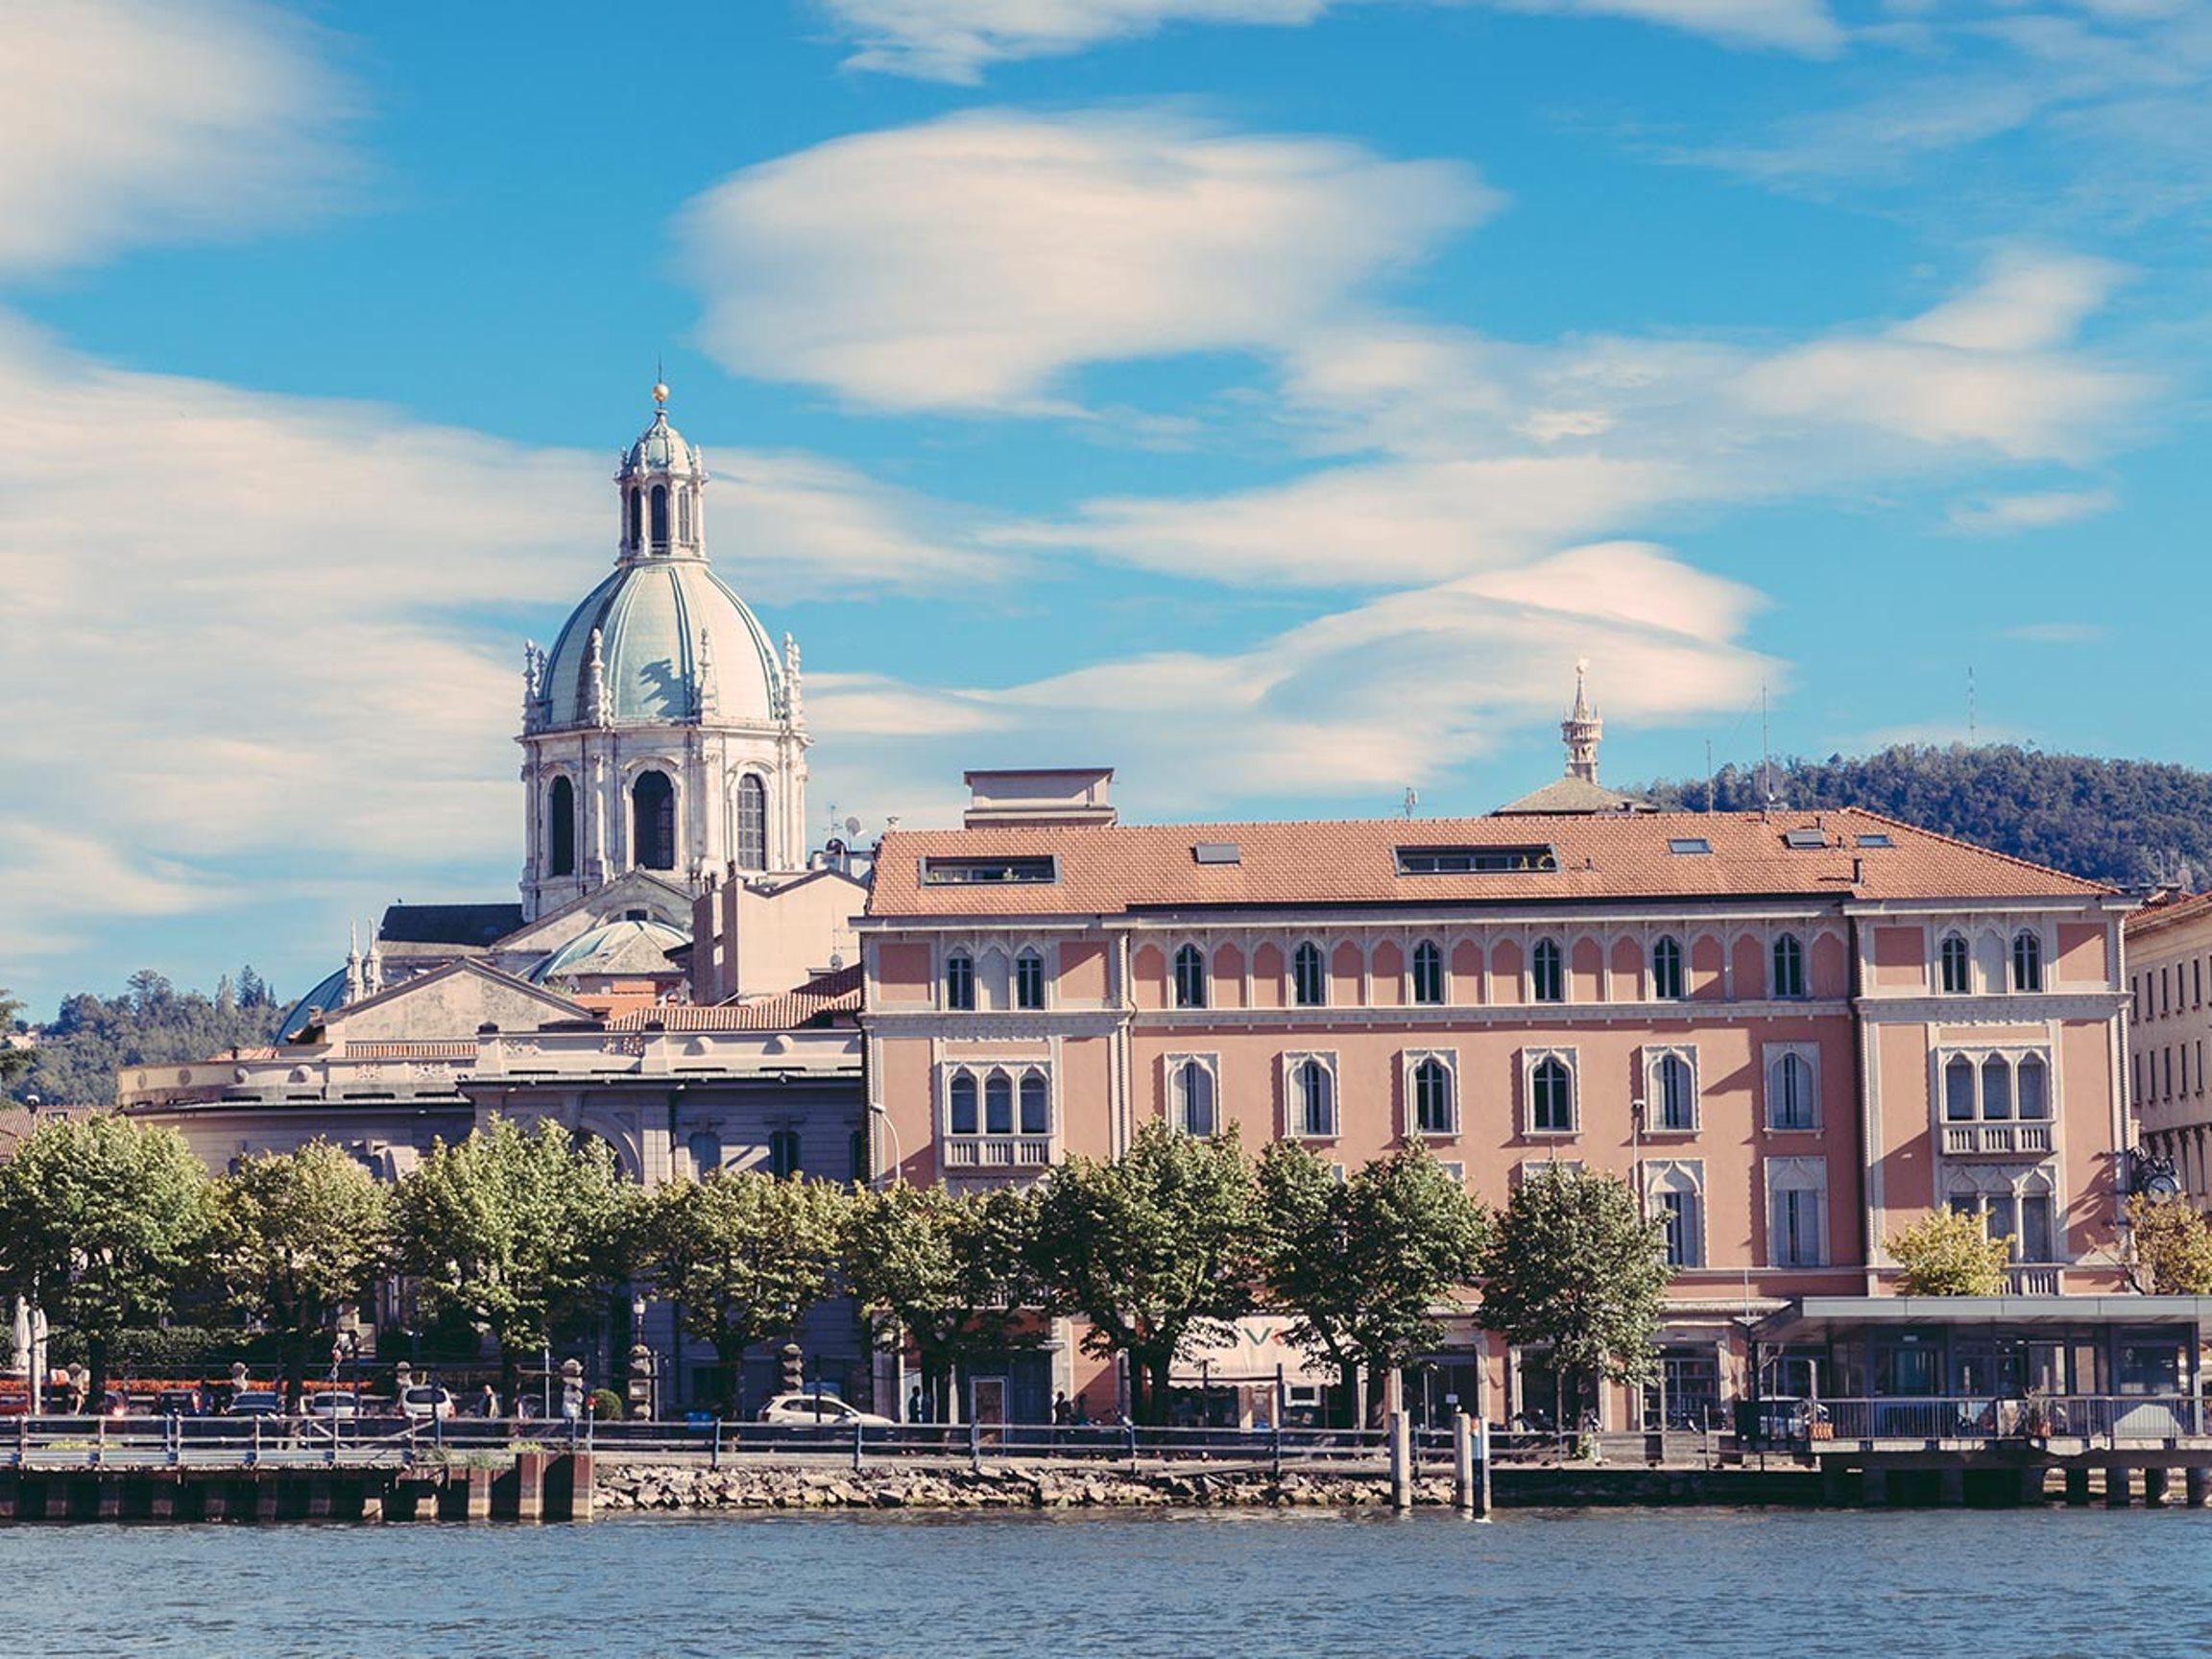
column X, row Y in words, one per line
column 1791, row 1034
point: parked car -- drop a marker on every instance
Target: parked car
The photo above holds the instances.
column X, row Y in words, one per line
column 180, row 1403
column 818, row 1411
column 427, row 1401
column 255, row 1402
column 333, row 1404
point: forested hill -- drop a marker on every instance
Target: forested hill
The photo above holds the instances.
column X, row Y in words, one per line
column 79, row 1051
column 2126, row 822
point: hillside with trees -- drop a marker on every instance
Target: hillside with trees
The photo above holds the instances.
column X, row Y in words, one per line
column 2126, row 822
column 77, row 1052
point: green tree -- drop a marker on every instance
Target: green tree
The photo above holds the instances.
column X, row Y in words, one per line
column 953, row 1269
column 1366, row 1263
column 1155, row 1251
column 91, row 1038
column 299, row 1234
column 1948, row 1253
column 102, row 1222
column 1573, row 1265
column 2169, row 1247
column 520, row 1232
column 12, row 1060
column 742, row 1256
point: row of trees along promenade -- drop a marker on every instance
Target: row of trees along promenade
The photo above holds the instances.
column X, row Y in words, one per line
column 522, row 1233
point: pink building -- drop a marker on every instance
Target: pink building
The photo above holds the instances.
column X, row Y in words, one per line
column 1793, row 1033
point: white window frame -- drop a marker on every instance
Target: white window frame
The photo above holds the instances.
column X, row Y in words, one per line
column 1413, row 997
column 1294, row 1102
column 1204, row 984
column 1171, row 1088
column 2012, row 1058
column 1797, row 1175
column 1530, row 1059
column 1559, row 965
column 980, row 1070
column 944, row 980
column 1409, row 1064
column 1770, row 1057
column 1944, row 940
column 1801, row 954
column 1659, row 1174
column 2008, row 1184
column 1681, row 991
column 1290, row 975
column 1654, row 1122
column 2035, row 937
column 1529, row 1166
column 1031, row 954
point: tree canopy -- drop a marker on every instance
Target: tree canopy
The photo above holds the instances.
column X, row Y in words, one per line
column 2126, row 822
column 1949, row 1254
column 101, row 1221
column 297, row 1236
column 2169, row 1247
column 1158, row 1249
column 519, row 1231
column 78, row 1054
column 953, row 1269
column 1366, row 1262
column 1572, row 1264
column 743, row 1255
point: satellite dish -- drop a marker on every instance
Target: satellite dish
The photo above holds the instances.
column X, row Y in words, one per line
column 851, row 825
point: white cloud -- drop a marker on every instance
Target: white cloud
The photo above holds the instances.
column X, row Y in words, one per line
column 958, row 40
column 2059, row 633
column 974, row 261
column 240, row 639
column 1326, row 710
column 123, row 121
column 2034, row 510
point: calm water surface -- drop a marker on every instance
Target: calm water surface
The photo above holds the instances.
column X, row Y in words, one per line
column 1616, row 1584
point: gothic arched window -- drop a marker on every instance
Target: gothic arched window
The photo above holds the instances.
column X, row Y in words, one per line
column 1546, row 984
column 960, row 1104
column 960, row 981
column 1432, row 1106
column 1958, row 966
column 1788, row 966
column 1677, row 1085
column 1316, row 1093
column 561, row 829
column 1036, row 1104
column 1189, row 977
column 1551, row 1097
column 997, row 1104
column 1666, row 971
column 2027, row 961
column 660, row 516
column 1194, row 1099
column 752, row 849
column 1427, row 973
column 1308, row 989
column 653, row 821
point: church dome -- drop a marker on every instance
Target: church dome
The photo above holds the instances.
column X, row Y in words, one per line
column 662, row 448
column 629, row 949
column 654, row 620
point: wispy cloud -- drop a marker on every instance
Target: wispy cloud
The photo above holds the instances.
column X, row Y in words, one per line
column 2059, row 633
column 958, row 40
column 2033, row 510
column 973, row 262
column 128, row 121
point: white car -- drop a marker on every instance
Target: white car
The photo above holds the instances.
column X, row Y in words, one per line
column 426, row 1400
column 818, row 1411
column 333, row 1403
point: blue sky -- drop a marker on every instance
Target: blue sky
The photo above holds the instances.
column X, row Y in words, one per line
column 1271, row 398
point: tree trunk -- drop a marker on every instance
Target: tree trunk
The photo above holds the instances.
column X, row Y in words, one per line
column 96, row 1365
column 510, row 1376
column 295, row 1347
column 1346, row 1406
column 1157, row 1387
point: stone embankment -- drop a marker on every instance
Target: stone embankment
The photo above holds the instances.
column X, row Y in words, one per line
column 650, row 1486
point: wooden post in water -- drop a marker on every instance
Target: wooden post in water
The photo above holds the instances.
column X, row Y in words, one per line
column 1463, row 1462
column 1401, row 1460
column 2197, row 1486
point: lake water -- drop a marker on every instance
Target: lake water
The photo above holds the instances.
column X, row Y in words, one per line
column 1612, row 1583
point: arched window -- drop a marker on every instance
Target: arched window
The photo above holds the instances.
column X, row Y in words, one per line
column 1309, row 985
column 1036, row 1105
column 1546, row 983
column 684, row 515
column 1790, row 1094
column 959, row 982
column 1677, row 1085
column 705, row 1151
column 1667, row 969
column 1996, row 1088
column 1028, row 980
column 653, row 821
column 1433, row 1103
column 2031, row 1083
column 1427, row 973
column 1957, row 958
column 1797, row 1195
column 636, row 518
column 997, row 1104
column 1959, row 1090
column 1788, row 966
column 1194, row 1099
column 783, row 1153
column 661, row 516
column 1551, row 1097
column 1316, row 1095
column 561, row 829
column 960, row 1104
column 1677, row 1203
column 752, row 848
column 2027, row 961
column 1189, row 977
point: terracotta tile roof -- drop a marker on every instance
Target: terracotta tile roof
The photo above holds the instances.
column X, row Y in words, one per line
column 817, row 1002
column 1104, row 871
column 2172, row 911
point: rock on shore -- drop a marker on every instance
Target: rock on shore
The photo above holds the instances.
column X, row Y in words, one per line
column 632, row 1486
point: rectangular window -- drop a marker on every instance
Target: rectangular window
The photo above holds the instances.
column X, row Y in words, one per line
column 960, row 983
column 2169, row 1070
column 1796, row 1200
column 2165, row 992
column 1793, row 1088
column 1679, row 1209
column 1477, row 860
column 1029, row 980
column 978, row 872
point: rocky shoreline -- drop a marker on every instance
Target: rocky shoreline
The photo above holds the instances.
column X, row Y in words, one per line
column 629, row 1487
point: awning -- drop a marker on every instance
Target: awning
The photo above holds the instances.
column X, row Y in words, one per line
column 1812, row 1319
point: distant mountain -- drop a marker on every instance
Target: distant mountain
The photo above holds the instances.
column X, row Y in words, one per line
column 2125, row 822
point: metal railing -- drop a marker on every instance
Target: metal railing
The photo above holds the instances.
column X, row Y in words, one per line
column 2112, row 1418
column 175, row 1442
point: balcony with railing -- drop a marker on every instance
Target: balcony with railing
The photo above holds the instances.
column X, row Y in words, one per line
column 998, row 1151
column 2012, row 1140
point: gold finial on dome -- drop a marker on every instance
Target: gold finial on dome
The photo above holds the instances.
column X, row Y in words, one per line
column 661, row 394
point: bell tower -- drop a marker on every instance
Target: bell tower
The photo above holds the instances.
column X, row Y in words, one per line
column 1581, row 730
